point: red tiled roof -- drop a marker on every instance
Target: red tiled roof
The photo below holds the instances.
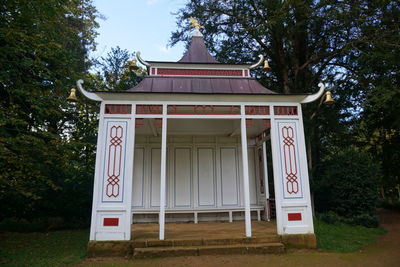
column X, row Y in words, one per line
column 200, row 85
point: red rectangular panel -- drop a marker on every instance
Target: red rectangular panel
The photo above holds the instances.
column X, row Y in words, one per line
column 294, row 216
column 257, row 110
column 286, row 110
column 148, row 109
column 111, row 221
column 118, row 109
column 199, row 72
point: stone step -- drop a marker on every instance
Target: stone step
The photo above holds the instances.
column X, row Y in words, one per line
column 258, row 248
column 204, row 242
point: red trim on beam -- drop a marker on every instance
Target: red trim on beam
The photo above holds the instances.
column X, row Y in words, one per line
column 294, row 216
column 199, row 72
column 111, row 221
column 285, row 110
column 118, row 109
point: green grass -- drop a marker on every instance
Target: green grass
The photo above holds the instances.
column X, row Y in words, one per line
column 58, row 248
column 343, row 237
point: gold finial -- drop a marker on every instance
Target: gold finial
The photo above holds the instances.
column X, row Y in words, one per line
column 132, row 65
column 195, row 23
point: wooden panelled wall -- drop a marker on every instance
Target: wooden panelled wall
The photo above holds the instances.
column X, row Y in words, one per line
column 202, row 173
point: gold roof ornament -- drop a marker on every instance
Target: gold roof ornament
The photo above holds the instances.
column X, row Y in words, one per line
column 133, row 65
column 195, row 23
column 72, row 96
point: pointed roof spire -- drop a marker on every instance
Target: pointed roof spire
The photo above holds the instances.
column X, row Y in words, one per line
column 197, row 51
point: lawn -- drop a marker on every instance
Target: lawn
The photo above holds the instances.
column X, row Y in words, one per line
column 43, row 249
column 343, row 237
column 69, row 247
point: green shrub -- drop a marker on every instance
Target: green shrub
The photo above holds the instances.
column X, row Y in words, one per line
column 22, row 225
column 370, row 221
column 42, row 224
column 348, row 188
column 330, row 217
column 391, row 204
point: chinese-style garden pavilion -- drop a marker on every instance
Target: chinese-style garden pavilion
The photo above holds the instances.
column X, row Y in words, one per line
column 190, row 140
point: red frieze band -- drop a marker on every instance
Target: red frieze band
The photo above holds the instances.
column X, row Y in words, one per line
column 289, row 152
column 202, row 110
column 285, row 110
column 148, row 109
column 118, row 109
column 199, row 72
column 114, row 161
column 257, row 110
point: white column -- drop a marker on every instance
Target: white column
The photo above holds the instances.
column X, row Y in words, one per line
column 130, row 157
column 245, row 167
column 161, row 217
column 266, row 185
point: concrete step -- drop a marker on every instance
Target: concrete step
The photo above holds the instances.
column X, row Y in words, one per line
column 204, row 242
column 258, row 248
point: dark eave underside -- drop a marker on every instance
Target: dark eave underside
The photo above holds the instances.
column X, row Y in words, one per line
column 200, row 85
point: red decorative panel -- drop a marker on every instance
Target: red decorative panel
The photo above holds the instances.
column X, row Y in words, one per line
column 199, row 72
column 111, row 221
column 289, row 160
column 246, row 73
column 256, row 110
column 285, row 110
column 118, row 109
column 157, row 123
column 114, row 161
column 202, row 110
column 267, row 123
column 148, row 109
column 139, row 123
column 153, row 71
column 249, row 123
column 294, row 216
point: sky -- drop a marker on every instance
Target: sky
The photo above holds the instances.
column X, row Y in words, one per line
column 139, row 25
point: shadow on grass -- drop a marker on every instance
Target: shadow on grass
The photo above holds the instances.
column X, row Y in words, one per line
column 43, row 249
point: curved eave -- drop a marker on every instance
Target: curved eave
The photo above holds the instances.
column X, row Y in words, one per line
column 216, row 97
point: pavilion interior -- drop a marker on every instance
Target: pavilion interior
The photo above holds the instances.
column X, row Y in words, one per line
column 199, row 127
column 192, row 134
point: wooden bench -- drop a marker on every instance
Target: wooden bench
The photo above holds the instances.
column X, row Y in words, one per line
column 195, row 212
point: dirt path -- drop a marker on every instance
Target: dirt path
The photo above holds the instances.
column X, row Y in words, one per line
column 386, row 252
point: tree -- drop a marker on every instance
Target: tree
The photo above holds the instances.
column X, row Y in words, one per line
column 43, row 47
column 379, row 73
column 114, row 73
column 307, row 42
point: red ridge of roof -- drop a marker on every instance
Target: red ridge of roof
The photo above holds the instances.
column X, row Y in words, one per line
column 200, row 85
column 197, row 52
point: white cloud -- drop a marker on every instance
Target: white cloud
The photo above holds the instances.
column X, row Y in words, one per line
column 163, row 49
column 152, row 2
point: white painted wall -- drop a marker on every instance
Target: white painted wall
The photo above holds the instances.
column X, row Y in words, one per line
column 200, row 175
